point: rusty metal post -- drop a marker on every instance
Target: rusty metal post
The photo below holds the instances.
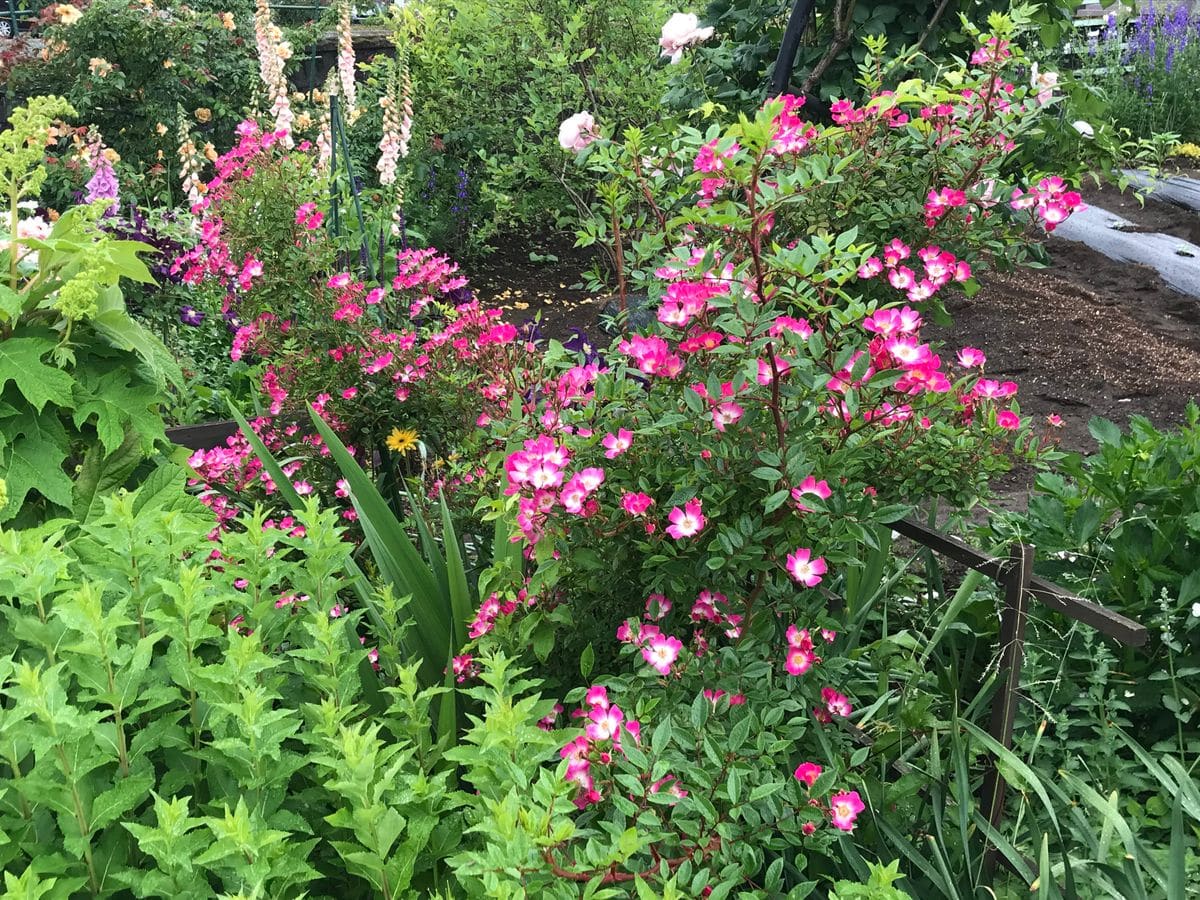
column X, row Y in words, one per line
column 1015, row 577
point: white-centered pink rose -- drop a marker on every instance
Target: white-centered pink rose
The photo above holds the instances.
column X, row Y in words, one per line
column 804, row 568
column 576, row 132
column 681, row 31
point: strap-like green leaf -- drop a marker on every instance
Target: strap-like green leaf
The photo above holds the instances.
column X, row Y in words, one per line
column 397, row 558
column 456, row 574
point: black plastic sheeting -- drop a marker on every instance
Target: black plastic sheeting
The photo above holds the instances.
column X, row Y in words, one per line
column 1177, row 261
column 1175, row 189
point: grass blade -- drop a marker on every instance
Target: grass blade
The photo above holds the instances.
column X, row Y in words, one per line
column 1019, row 863
column 456, row 575
column 965, row 590
column 429, row 546
column 1018, row 766
column 1045, row 879
column 1176, row 871
column 901, row 844
column 1133, row 847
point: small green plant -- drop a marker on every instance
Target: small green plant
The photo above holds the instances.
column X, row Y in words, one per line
column 879, row 886
column 1147, row 152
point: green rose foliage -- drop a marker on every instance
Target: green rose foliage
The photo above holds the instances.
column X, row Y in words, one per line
column 874, row 170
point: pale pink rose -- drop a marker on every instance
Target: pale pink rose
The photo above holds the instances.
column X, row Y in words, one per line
column 681, row 31
column 577, row 132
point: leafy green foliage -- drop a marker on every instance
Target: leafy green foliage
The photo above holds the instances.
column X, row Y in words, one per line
column 171, row 735
column 133, row 73
column 1123, row 526
column 878, row 886
column 734, row 68
column 1120, row 527
column 493, row 80
column 80, row 382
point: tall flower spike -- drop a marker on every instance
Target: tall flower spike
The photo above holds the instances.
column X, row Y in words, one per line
column 390, row 141
column 345, row 60
column 406, row 112
column 397, row 132
column 190, row 163
column 325, row 126
column 273, row 52
column 98, row 158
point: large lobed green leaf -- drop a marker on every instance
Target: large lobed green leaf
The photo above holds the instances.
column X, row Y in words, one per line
column 34, row 448
column 38, row 382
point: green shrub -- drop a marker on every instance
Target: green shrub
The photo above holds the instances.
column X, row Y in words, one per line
column 495, row 79
column 132, row 70
column 1123, row 527
column 735, row 67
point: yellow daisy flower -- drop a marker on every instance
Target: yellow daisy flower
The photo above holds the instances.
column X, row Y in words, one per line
column 402, row 440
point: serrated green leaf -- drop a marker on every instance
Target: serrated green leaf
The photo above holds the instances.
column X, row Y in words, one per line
column 124, row 333
column 117, row 401
column 38, row 382
column 101, row 473
column 763, row 791
column 33, row 461
column 1105, row 432
column 113, row 804
column 11, row 303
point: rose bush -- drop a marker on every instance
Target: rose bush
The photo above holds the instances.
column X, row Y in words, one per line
column 134, row 70
column 930, row 162
column 410, row 356
column 700, row 507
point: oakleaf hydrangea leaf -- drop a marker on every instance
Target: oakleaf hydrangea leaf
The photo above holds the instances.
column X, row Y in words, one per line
column 21, row 363
column 33, row 461
column 115, row 401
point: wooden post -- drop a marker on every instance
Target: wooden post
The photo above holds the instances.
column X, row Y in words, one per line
column 1015, row 577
